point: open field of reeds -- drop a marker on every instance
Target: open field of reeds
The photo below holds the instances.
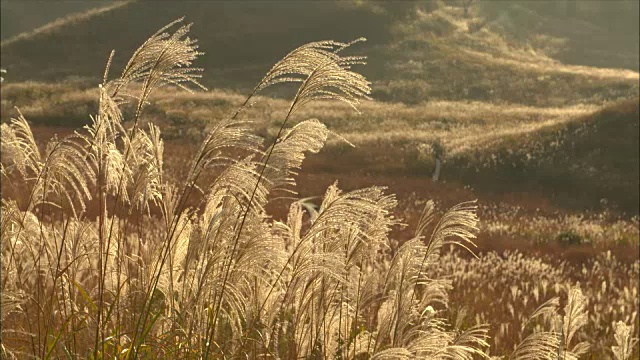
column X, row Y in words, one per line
column 145, row 216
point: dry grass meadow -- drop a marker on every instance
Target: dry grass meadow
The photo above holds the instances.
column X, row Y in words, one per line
column 154, row 217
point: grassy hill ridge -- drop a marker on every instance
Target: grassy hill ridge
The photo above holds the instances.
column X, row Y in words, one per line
column 424, row 53
column 442, row 80
column 241, row 40
column 590, row 158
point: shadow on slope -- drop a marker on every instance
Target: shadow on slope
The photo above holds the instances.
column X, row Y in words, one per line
column 418, row 51
column 23, row 16
column 592, row 33
column 591, row 160
column 241, row 39
column 442, row 54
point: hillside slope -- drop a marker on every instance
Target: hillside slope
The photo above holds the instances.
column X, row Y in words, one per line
column 507, row 114
column 24, row 16
column 443, row 54
column 592, row 158
column 422, row 53
column 241, row 40
column 592, row 33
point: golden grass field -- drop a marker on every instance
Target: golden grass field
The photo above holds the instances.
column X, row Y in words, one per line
column 217, row 224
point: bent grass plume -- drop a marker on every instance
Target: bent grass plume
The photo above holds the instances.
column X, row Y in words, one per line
column 155, row 277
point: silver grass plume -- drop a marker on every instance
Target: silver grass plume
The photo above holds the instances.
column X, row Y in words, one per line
column 467, row 343
column 625, row 342
column 575, row 317
column 19, row 149
column 537, row 346
column 162, row 59
column 541, row 345
column 101, row 142
column 64, row 170
column 70, row 171
column 238, row 181
column 408, row 291
column 324, row 75
column 322, row 257
column 396, row 353
column 288, row 152
column 146, row 164
column 322, row 72
column 457, row 226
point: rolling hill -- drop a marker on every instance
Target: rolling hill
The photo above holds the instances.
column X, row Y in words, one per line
column 508, row 113
column 588, row 159
column 241, row 40
column 420, row 51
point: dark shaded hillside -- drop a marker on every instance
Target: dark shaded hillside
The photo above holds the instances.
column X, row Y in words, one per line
column 418, row 51
column 241, row 39
column 588, row 161
column 19, row 16
column 591, row 33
